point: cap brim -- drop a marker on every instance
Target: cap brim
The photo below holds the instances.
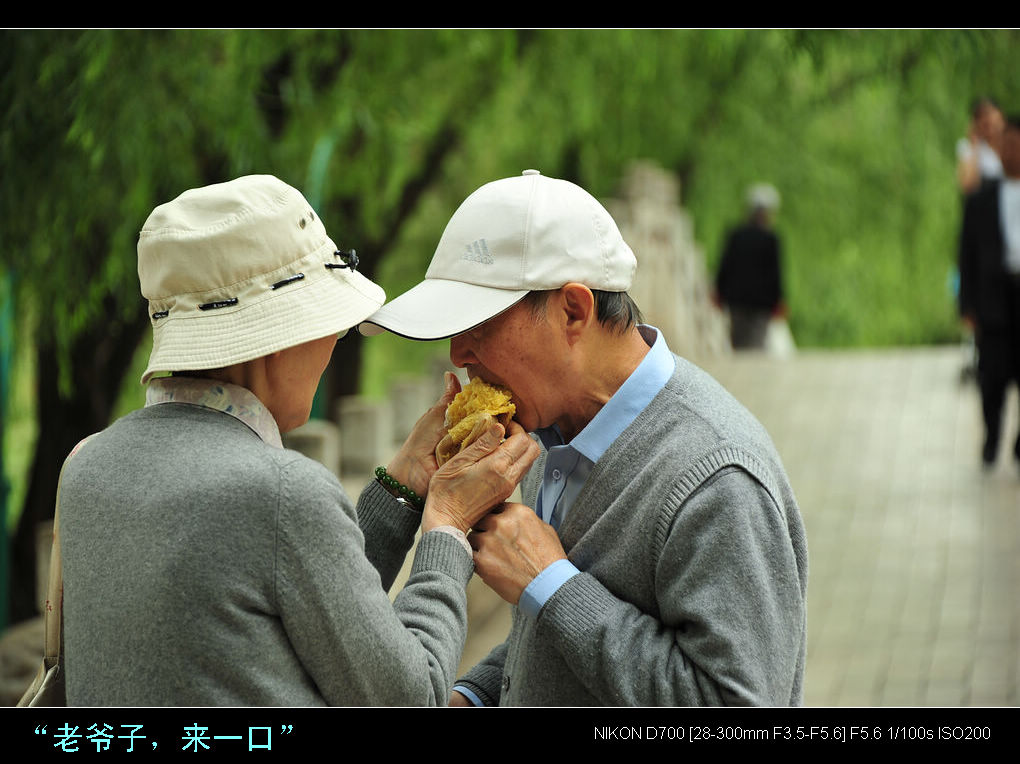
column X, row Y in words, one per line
column 436, row 309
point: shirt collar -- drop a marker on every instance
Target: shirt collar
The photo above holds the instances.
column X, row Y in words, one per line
column 634, row 395
column 238, row 402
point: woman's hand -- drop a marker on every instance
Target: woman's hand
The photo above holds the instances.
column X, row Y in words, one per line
column 479, row 478
column 415, row 462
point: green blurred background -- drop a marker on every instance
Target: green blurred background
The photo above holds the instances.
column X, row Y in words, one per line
column 386, row 131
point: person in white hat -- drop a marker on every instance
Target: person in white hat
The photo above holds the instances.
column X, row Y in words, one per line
column 659, row 556
column 205, row 564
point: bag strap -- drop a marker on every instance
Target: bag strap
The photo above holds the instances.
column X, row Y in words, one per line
column 53, row 614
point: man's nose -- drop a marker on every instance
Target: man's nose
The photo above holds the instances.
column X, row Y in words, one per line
column 462, row 350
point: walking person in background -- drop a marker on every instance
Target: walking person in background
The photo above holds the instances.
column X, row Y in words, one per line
column 989, row 262
column 749, row 282
column 977, row 163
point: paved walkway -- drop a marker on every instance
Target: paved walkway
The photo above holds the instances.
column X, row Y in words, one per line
column 914, row 589
column 914, row 593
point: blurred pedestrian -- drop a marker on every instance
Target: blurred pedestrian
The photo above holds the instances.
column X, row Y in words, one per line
column 977, row 163
column 749, row 280
column 989, row 262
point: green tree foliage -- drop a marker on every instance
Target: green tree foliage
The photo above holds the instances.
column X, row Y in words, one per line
column 386, row 131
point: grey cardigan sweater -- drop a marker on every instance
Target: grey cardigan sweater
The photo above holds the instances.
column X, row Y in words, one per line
column 205, row 567
column 694, row 571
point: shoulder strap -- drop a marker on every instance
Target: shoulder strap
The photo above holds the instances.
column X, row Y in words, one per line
column 53, row 615
column 47, row 688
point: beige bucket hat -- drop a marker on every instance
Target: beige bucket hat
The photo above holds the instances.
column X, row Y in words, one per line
column 238, row 270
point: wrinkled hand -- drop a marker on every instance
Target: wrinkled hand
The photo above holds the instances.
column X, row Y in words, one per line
column 480, row 477
column 415, row 462
column 513, row 545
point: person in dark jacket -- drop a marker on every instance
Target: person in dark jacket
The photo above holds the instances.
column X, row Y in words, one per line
column 749, row 281
column 990, row 285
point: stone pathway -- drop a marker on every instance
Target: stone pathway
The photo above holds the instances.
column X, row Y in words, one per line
column 914, row 589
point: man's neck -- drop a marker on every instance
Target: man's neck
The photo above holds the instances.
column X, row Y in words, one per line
column 610, row 358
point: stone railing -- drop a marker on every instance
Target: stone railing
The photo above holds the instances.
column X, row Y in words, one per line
column 671, row 286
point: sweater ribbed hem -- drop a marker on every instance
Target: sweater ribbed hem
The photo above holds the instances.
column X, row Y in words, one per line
column 441, row 552
column 576, row 609
column 378, row 510
column 489, row 676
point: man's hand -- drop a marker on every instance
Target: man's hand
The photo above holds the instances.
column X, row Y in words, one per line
column 513, row 545
column 415, row 462
column 459, row 701
column 479, row 478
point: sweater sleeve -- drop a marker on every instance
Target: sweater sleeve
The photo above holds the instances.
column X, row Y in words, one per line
column 731, row 621
column 388, row 527
column 358, row 647
column 485, row 678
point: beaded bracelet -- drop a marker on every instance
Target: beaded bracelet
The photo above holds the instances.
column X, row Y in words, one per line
column 398, row 489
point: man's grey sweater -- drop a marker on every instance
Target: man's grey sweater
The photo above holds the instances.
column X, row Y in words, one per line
column 205, row 567
column 693, row 563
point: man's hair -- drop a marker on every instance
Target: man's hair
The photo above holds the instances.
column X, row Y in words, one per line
column 1013, row 120
column 614, row 310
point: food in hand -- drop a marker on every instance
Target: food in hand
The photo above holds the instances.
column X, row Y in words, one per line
column 471, row 413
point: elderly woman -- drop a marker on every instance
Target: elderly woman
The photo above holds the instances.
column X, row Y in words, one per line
column 205, row 564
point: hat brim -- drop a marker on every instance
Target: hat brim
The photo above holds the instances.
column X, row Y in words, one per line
column 437, row 309
column 302, row 313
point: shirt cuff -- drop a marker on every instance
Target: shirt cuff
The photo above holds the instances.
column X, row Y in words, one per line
column 544, row 585
column 475, row 700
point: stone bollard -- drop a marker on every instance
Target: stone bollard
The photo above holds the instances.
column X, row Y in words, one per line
column 366, row 433
column 409, row 399
column 317, row 439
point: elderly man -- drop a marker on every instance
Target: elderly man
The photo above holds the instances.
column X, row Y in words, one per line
column 660, row 559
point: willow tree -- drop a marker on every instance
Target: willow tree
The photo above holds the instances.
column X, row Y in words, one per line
column 386, row 131
column 100, row 126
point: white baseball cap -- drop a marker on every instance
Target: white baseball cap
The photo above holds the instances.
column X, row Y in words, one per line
column 508, row 238
column 238, row 270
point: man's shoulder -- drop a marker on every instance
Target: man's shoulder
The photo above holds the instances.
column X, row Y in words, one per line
column 694, row 392
column 695, row 414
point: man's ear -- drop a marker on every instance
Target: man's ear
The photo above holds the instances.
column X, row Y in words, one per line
column 578, row 305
